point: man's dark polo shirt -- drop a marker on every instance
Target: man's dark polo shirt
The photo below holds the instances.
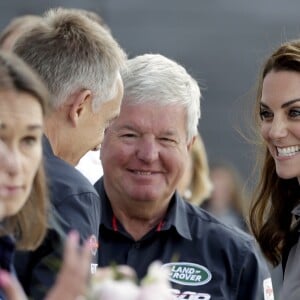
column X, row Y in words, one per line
column 208, row 259
column 75, row 205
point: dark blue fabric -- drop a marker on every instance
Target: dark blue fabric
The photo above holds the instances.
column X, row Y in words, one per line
column 7, row 250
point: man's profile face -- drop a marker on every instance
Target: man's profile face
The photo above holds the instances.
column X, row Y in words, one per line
column 99, row 120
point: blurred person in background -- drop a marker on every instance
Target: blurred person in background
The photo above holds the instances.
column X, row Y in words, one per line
column 23, row 192
column 275, row 211
column 228, row 200
column 195, row 185
column 79, row 61
column 144, row 219
column 16, row 27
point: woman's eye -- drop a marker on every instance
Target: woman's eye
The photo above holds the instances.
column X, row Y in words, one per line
column 265, row 114
column 294, row 113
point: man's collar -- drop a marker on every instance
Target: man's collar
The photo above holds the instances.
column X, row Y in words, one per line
column 176, row 215
column 47, row 146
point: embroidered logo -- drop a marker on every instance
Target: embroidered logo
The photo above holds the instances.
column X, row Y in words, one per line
column 268, row 289
column 93, row 243
column 188, row 273
column 93, row 268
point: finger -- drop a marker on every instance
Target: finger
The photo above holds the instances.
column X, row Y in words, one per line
column 86, row 258
column 72, row 280
column 77, row 258
column 11, row 286
column 71, row 249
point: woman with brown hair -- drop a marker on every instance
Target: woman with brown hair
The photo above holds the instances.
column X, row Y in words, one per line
column 275, row 209
column 23, row 194
column 23, row 102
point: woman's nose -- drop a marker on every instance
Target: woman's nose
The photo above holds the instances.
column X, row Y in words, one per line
column 278, row 129
column 13, row 162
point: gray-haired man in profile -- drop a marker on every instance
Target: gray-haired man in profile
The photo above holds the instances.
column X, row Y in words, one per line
column 79, row 61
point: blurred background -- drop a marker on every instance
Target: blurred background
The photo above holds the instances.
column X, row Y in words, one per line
column 221, row 43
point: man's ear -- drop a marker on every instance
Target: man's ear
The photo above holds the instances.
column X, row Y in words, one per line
column 190, row 144
column 80, row 102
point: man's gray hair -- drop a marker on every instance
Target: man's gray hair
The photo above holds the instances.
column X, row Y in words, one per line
column 72, row 52
column 155, row 78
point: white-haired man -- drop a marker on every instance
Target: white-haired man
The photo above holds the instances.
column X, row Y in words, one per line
column 144, row 154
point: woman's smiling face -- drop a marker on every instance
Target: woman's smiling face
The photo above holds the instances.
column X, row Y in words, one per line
column 280, row 120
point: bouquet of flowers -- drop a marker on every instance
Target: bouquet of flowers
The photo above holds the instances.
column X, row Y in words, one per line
column 120, row 283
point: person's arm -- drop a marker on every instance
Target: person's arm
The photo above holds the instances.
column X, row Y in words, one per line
column 255, row 279
column 81, row 213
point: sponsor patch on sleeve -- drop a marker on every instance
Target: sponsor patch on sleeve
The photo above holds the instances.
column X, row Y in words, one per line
column 268, row 289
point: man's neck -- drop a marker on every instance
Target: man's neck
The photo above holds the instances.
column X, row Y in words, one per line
column 138, row 224
column 61, row 141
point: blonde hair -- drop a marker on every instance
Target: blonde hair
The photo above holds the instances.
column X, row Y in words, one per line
column 199, row 186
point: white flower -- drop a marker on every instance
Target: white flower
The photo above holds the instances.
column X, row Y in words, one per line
column 115, row 290
column 155, row 292
column 155, row 285
column 156, row 274
column 119, row 283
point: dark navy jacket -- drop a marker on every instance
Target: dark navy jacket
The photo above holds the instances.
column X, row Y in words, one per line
column 76, row 205
column 206, row 258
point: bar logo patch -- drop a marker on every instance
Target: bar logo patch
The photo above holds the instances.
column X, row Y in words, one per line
column 268, row 289
column 188, row 273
